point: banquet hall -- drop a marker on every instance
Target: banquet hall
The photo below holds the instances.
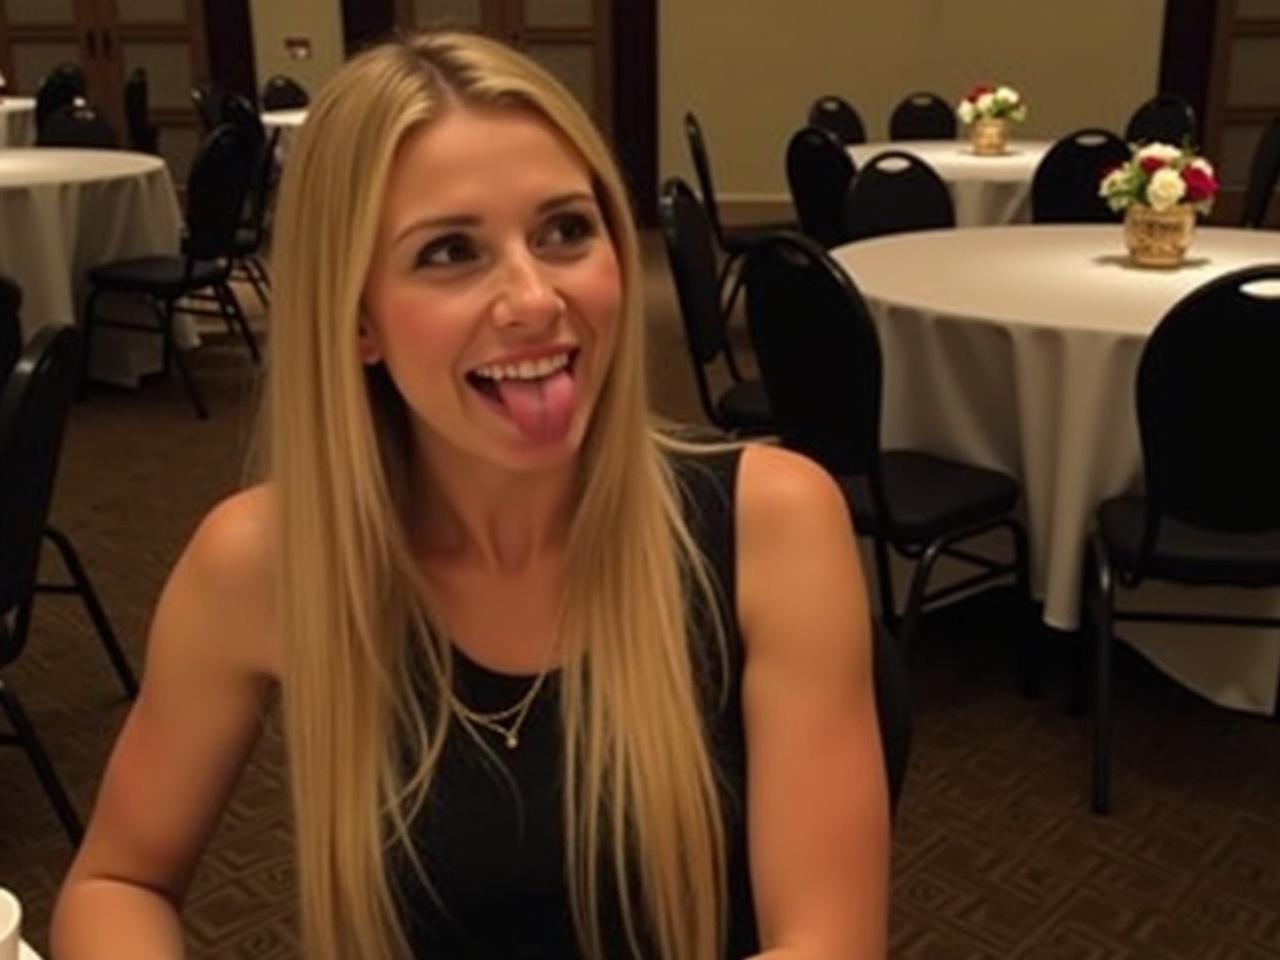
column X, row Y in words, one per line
column 1009, row 272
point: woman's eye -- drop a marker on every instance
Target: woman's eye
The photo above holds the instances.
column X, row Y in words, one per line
column 568, row 229
column 446, row 251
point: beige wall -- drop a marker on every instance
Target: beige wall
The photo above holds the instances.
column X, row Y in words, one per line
column 750, row 68
column 318, row 20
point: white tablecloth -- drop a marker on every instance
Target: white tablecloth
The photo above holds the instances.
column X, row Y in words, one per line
column 17, row 121
column 987, row 191
column 63, row 211
column 1017, row 348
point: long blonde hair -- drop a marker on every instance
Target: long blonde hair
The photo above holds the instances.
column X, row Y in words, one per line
column 641, row 808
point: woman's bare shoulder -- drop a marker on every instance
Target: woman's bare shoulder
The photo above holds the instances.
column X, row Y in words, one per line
column 226, row 576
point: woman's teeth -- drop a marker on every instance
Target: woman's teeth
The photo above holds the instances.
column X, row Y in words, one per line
column 525, row 369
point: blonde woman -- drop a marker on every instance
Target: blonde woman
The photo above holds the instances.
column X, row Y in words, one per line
column 553, row 683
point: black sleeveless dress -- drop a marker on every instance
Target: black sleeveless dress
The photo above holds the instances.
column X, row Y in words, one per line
column 492, row 836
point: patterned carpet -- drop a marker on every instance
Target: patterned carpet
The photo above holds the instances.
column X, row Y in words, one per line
column 996, row 855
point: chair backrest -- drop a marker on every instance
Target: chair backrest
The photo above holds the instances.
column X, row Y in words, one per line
column 208, row 98
column 818, row 352
column 217, row 186
column 34, row 405
column 702, row 167
column 894, row 192
column 143, row 134
column 1065, row 186
column 691, row 251
column 893, row 707
column 1264, row 173
column 1167, row 118
column 837, row 115
column 77, row 126
column 922, row 116
column 819, row 171
column 1207, row 398
column 284, row 93
column 10, row 326
column 58, row 88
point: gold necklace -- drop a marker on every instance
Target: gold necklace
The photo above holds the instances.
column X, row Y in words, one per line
column 493, row 721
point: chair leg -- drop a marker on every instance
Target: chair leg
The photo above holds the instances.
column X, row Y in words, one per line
column 230, row 307
column 184, row 372
column 1024, row 637
column 86, row 329
column 261, row 267
column 89, row 596
column 884, row 582
column 916, row 594
column 30, row 743
column 1102, row 600
column 251, row 267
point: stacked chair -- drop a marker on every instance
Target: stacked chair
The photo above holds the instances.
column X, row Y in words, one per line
column 819, row 172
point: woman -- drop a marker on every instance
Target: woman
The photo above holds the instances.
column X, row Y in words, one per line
column 553, row 684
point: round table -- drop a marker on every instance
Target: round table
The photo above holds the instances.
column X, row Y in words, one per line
column 17, row 121
column 1018, row 348
column 63, row 211
column 987, row 191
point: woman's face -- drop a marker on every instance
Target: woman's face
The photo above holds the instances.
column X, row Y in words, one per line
column 494, row 291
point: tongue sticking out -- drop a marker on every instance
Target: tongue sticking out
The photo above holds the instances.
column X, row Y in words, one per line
column 542, row 408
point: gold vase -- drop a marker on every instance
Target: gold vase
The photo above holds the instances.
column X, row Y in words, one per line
column 989, row 137
column 1158, row 238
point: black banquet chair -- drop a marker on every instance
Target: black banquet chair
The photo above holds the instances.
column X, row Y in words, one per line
column 820, row 360
column 896, row 192
column 743, row 408
column 922, row 116
column 10, row 327
column 33, row 411
column 1206, row 396
column 1166, row 118
column 837, row 115
column 819, row 171
column 58, row 88
column 77, row 125
column 1064, row 188
column 733, row 240
column 284, row 93
column 216, row 189
column 1264, row 174
column 209, row 99
column 144, row 136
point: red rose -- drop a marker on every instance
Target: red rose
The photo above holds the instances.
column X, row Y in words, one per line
column 979, row 90
column 1151, row 164
column 1200, row 185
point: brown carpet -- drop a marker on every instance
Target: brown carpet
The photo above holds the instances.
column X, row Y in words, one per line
column 995, row 854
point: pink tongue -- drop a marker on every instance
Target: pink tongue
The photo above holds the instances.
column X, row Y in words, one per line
column 541, row 408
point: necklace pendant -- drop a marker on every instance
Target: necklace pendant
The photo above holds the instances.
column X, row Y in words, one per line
column 512, row 741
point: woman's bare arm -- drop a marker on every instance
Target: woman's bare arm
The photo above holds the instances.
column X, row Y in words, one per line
column 209, row 674
column 817, row 806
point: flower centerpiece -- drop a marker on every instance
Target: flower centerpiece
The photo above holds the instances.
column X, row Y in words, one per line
column 1160, row 188
column 987, row 111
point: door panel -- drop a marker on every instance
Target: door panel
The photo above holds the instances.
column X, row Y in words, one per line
column 573, row 64
column 22, row 13
column 32, row 59
column 151, row 11
column 559, row 13
column 36, row 35
column 456, row 14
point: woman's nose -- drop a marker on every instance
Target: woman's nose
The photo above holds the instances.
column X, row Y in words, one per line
column 526, row 298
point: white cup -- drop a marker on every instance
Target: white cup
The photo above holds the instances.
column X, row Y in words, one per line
column 10, row 925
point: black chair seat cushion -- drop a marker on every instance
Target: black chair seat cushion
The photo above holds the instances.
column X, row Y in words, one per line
column 1188, row 553
column 159, row 276
column 929, row 496
column 745, row 406
column 739, row 239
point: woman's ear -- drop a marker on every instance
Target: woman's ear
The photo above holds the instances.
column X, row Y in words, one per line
column 367, row 343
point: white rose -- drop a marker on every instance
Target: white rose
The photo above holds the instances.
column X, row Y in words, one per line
column 1006, row 95
column 1161, row 151
column 1203, row 165
column 965, row 111
column 985, row 103
column 1165, row 189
